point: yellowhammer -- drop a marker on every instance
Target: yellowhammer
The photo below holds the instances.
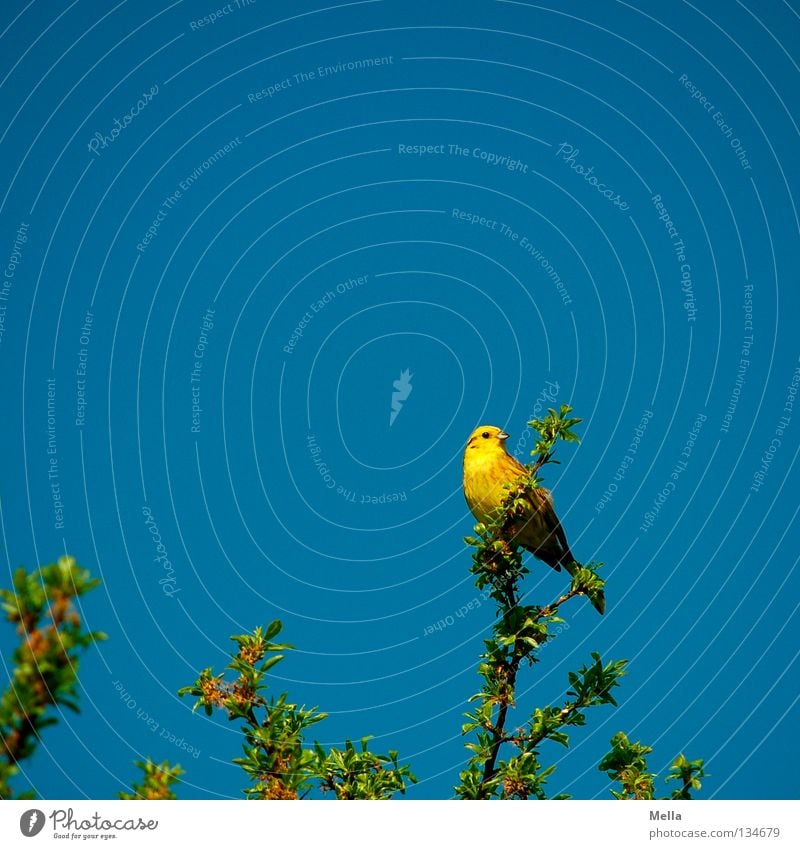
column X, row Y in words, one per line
column 487, row 466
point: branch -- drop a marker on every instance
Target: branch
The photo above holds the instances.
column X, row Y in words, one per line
column 156, row 783
column 497, row 730
column 46, row 660
column 276, row 760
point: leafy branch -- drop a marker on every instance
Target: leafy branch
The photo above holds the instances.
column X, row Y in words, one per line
column 156, row 783
column 45, row 663
column 626, row 764
column 276, row 760
column 41, row 606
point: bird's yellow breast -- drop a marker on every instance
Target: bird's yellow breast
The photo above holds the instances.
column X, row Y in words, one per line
column 485, row 472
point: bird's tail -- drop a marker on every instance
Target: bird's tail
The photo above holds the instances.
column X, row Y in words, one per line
column 599, row 601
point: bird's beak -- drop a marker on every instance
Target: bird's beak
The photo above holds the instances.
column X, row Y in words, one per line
column 502, row 435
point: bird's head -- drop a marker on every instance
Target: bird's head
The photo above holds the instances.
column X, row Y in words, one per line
column 486, row 440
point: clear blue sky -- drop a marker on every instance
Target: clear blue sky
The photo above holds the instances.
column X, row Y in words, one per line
column 225, row 239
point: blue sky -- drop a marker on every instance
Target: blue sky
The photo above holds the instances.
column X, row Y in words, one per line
column 226, row 233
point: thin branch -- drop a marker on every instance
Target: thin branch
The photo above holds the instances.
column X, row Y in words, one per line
column 498, row 730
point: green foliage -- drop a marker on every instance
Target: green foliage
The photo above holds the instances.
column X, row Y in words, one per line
column 626, row 764
column 45, row 663
column 358, row 773
column 156, row 782
column 689, row 774
column 554, row 426
column 45, row 669
column 278, row 763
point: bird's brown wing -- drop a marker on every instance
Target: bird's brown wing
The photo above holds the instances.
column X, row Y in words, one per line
column 542, row 534
column 550, row 544
column 566, row 555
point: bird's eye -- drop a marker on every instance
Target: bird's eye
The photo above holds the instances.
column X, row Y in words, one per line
column 485, row 434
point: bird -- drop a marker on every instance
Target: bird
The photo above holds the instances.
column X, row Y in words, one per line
column 487, row 467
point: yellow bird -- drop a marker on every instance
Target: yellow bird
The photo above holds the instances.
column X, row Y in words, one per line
column 487, row 466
